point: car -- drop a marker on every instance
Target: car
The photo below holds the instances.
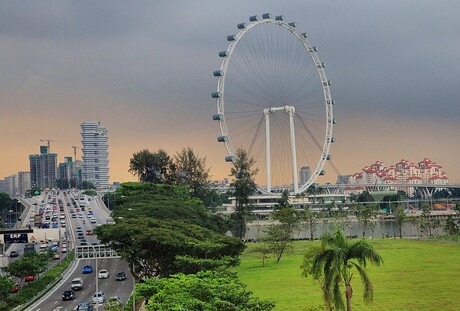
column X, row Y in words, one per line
column 80, row 215
column 87, row 269
column 80, row 235
column 99, row 297
column 68, row 295
column 84, row 306
column 14, row 254
column 103, row 274
column 114, row 301
column 83, row 242
column 89, row 232
column 15, row 288
column 88, row 215
column 45, row 226
column 121, row 276
column 57, row 256
column 64, row 250
column 77, row 284
column 29, row 278
column 74, row 216
column 93, row 220
column 55, row 225
column 79, row 229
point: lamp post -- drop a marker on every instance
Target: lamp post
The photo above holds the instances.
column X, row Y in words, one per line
column 10, row 224
column 97, row 279
column 134, row 290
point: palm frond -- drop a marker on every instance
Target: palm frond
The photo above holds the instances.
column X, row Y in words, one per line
column 368, row 292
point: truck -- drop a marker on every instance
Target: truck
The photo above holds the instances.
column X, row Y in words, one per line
column 38, row 220
column 29, row 247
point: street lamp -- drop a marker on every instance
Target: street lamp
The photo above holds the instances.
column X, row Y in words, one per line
column 134, row 290
column 10, row 224
column 97, row 279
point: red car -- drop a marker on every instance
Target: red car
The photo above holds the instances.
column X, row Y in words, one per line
column 29, row 278
column 15, row 289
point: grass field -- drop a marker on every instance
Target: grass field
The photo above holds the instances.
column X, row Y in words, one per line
column 416, row 275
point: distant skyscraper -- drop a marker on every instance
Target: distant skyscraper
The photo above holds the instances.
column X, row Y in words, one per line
column 95, row 154
column 23, row 182
column 43, row 168
column 65, row 169
column 343, row 179
column 305, row 174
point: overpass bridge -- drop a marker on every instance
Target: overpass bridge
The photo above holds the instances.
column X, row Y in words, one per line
column 424, row 191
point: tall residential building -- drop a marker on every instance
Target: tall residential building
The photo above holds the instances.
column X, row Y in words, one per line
column 43, row 168
column 305, row 174
column 23, row 182
column 95, row 154
column 65, row 169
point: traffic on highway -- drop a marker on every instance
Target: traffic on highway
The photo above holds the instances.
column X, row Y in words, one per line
column 63, row 220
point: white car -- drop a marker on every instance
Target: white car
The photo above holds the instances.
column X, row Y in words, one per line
column 93, row 220
column 103, row 274
column 98, row 297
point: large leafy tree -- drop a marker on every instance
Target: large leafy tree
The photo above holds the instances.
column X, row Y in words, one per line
column 243, row 184
column 335, row 264
column 153, row 246
column 6, row 284
column 163, row 202
column 152, row 167
column 191, row 170
column 29, row 264
column 5, row 201
column 208, row 290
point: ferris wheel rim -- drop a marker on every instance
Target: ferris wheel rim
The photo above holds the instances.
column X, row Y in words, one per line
column 312, row 52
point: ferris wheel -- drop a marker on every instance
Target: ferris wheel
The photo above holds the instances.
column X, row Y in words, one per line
column 274, row 101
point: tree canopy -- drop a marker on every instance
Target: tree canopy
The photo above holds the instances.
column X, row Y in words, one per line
column 208, row 291
column 163, row 202
column 151, row 167
column 153, row 245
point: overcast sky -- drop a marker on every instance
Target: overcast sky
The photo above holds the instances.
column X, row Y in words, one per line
column 144, row 70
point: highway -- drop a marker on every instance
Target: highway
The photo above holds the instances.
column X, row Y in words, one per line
column 53, row 299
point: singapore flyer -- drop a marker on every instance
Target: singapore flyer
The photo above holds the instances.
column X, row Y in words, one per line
column 274, row 101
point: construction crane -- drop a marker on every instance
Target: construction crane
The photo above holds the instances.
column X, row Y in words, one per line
column 75, row 153
column 49, row 145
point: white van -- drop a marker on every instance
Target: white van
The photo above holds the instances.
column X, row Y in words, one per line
column 77, row 284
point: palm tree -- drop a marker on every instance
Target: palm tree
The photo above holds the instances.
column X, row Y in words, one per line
column 335, row 265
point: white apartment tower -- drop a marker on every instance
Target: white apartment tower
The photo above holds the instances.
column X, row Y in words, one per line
column 95, row 154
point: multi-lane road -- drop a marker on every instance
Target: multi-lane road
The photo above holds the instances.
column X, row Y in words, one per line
column 76, row 218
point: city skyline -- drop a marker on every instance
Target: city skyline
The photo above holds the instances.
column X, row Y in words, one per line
column 145, row 72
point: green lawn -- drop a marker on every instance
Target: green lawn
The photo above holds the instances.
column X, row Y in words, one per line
column 416, row 275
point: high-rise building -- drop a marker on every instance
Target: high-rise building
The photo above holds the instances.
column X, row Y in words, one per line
column 65, row 169
column 43, row 168
column 95, row 154
column 23, row 182
column 305, row 174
